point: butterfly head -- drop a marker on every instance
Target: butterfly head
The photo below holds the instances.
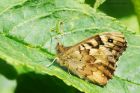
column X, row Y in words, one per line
column 61, row 49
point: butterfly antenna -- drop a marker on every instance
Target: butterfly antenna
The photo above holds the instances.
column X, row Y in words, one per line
column 51, row 43
column 52, row 62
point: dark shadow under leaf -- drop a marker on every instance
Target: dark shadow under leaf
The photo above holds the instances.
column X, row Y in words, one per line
column 38, row 83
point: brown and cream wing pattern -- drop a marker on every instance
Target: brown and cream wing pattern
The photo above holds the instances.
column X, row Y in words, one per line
column 93, row 59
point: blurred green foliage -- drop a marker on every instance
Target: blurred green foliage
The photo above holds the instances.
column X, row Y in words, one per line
column 136, row 4
column 115, row 8
column 123, row 10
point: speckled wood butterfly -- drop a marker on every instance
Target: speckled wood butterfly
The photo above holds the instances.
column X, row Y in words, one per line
column 93, row 59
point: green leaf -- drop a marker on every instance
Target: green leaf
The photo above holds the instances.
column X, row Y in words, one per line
column 7, row 86
column 136, row 4
column 6, row 5
column 95, row 3
column 29, row 32
column 98, row 3
column 131, row 22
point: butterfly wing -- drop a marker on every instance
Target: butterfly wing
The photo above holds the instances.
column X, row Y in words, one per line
column 93, row 59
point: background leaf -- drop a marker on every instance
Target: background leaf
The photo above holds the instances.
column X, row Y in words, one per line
column 137, row 9
column 7, row 86
column 123, row 10
column 28, row 32
column 98, row 3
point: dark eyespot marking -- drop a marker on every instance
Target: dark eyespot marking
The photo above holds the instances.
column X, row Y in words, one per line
column 110, row 40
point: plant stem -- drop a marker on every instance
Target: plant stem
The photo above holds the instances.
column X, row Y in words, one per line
column 136, row 4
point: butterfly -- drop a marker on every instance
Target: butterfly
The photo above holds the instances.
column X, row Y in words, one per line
column 93, row 59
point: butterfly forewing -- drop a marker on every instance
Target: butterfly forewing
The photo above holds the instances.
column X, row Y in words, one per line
column 93, row 59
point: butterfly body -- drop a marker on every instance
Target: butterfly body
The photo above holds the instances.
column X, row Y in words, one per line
column 93, row 59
